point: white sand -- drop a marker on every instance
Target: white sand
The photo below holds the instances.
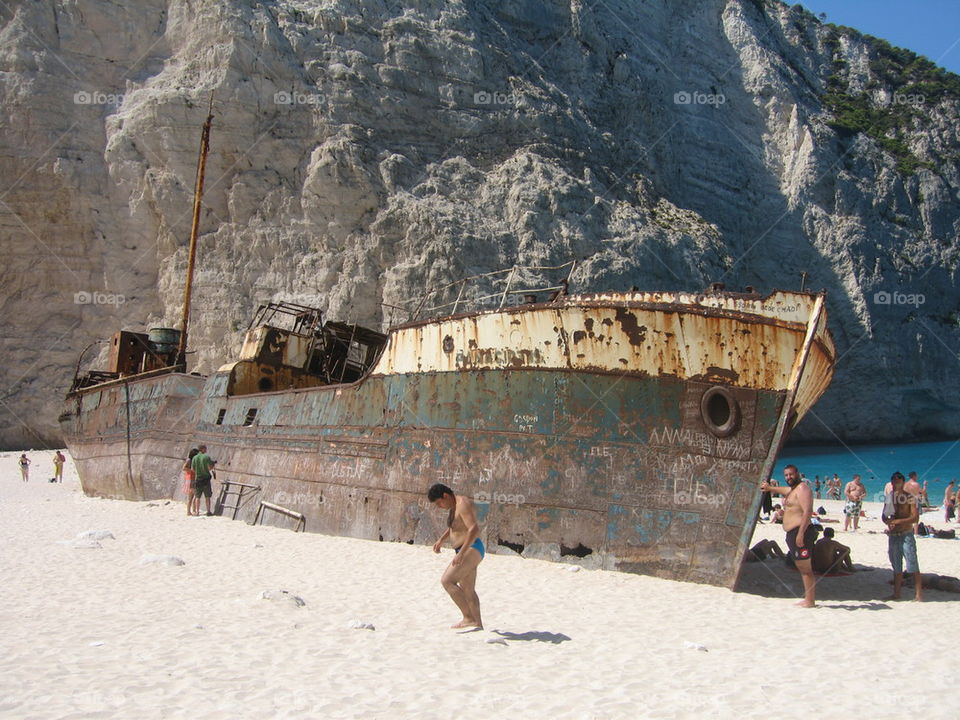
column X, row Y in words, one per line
column 94, row 633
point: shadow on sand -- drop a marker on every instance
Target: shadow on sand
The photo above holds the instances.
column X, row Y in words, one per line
column 867, row 589
column 534, row 636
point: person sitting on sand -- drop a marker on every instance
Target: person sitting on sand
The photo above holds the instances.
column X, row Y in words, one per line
column 460, row 577
column 829, row 555
column 778, row 514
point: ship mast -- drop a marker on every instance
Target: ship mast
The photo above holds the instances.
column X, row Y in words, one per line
column 194, row 228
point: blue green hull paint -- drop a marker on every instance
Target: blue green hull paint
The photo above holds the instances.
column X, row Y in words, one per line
column 620, row 465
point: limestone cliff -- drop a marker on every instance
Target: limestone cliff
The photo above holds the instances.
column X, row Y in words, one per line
column 364, row 149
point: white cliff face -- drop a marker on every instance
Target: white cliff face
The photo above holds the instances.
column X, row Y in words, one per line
column 363, row 151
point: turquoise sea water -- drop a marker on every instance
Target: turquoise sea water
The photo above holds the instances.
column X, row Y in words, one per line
column 936, row 462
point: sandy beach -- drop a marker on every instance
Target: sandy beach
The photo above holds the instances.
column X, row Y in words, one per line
column 107, row 629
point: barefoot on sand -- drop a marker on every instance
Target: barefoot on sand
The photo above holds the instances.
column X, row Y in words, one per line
column 467, row 623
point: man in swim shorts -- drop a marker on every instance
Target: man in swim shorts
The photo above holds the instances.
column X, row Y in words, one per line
column 460, row 577
column 801, row 535
column 855, row 492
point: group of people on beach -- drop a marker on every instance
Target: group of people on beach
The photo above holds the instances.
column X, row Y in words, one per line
column 58, row 460
column 198, row 474
column 901, row 514
column 831, row 484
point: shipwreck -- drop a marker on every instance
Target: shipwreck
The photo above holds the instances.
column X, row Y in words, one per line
column 625, row 430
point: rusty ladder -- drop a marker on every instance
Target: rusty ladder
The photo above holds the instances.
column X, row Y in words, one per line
column 232, row 487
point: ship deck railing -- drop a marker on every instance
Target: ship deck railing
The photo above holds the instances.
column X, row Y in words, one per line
column 264, row 505
column 488, row 291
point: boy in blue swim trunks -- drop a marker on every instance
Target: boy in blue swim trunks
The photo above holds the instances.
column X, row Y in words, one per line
column 460, row 577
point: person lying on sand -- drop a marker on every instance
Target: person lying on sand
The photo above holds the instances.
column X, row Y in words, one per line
column 460, row 577
column 764, row 549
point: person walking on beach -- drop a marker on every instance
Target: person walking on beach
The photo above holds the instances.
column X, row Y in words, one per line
column 801, row 535
column 58, row 461
column 190, row 480
column 855, row 492
column 202, row 467
column 948, row 502
column 460, row 577
column 816, row 485
column 901, row 516
column 24, row 467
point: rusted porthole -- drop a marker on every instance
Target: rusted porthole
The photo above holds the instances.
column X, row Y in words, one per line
column 720, row 411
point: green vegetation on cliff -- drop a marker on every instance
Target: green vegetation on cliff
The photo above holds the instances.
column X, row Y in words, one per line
column 912, row 85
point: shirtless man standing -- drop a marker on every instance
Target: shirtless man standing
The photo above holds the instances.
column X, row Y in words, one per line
column 801, row 535
column 901, row 541
column 855, row 492
column 948, row 502
column 460, row 577
column 912, row 486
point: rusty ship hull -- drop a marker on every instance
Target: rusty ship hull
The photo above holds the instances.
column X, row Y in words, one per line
column 627, row 431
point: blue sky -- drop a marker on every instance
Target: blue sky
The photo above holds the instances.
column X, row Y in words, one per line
column 928, row 27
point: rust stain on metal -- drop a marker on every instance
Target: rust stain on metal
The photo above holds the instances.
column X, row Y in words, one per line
column 628, row 323
column 659, row 478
